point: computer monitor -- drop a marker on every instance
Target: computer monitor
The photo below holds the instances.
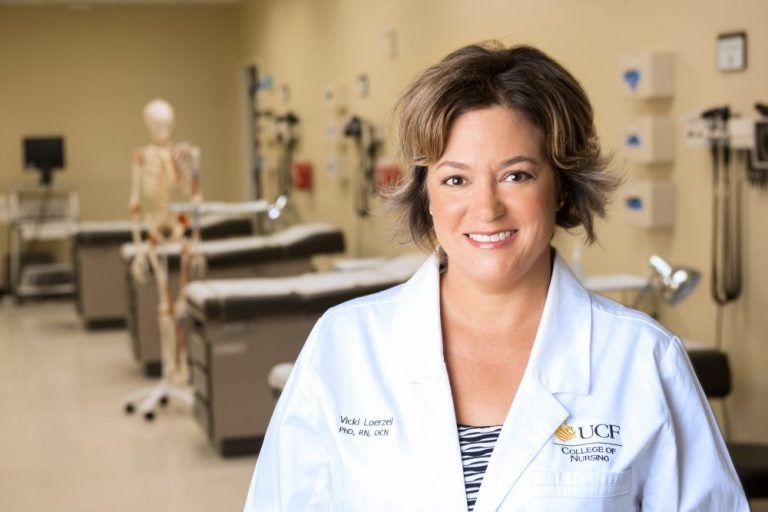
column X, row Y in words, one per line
column 44, row 154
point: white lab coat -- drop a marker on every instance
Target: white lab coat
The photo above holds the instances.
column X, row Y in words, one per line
column 608, row 416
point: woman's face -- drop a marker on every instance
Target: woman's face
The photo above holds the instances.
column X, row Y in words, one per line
column 492, row 197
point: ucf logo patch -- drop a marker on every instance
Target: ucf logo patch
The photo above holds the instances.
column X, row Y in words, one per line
column 589, row 442
column 565, row 432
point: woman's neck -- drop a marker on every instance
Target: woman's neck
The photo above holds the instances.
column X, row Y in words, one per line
column 495, row 315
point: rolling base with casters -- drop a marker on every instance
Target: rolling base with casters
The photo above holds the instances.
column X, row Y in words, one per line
column 145, row 400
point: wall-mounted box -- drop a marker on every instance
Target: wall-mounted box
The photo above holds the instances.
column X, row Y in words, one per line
column 648, row 75
column 648, row 204
column 650, row 139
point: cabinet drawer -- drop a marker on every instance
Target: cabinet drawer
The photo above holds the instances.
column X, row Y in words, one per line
column 198, row 352
column 203, row 415
column 200, row 382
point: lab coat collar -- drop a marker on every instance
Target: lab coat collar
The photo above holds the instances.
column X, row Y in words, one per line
column 560, row 356
column 534, row 416
column 416, row 343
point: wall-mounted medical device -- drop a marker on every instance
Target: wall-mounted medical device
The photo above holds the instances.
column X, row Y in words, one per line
column 760, row 153
column 367, row 144
column 648, row 204
column 731, row 135
column 728, row 139
column 286, row 126
column 648, row 75
column 650, row 139
column 751, row 135
column 286, row 130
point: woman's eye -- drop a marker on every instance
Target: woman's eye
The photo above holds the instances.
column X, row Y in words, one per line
column 517, row 177
column 454, row 181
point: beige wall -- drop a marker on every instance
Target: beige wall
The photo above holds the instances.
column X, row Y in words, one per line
column 309, row 44
column 87, row 74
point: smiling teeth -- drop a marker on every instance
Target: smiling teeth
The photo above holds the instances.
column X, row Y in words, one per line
column 496, row 237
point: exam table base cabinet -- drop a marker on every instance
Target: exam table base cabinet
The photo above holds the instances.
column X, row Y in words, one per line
column 99, row 269
column 143, row 300
column 101, row 295
column 230, row 362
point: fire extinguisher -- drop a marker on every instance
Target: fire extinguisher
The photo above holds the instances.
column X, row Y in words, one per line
column 302, row 175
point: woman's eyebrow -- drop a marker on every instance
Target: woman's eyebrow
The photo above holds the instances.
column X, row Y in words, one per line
column 517, row 159
column 452, row 164
column 506, row 163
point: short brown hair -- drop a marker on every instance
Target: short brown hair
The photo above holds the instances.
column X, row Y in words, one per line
column 526, row 80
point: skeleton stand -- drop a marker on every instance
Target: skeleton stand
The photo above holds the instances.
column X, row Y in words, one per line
column 175, row 370
column 154, row 395
column 161, row 170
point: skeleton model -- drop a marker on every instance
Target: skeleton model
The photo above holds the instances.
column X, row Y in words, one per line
column 165, row 172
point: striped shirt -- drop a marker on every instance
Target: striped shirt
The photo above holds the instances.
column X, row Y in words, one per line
column 476, row 445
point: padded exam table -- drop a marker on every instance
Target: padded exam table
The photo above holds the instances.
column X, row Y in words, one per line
column 284, row 253
column 240, row 329
column 246, row 333
column 99, row 272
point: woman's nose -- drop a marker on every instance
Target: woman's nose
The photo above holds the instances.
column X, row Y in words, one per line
column 487, row 204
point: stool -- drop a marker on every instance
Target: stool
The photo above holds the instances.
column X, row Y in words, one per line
column 749, row 459
column 278, row 376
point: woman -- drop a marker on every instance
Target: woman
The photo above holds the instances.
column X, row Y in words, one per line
column 492, row 380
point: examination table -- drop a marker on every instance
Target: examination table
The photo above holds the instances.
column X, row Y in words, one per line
column 240, row 329
column 100, row 275
column 286, row 252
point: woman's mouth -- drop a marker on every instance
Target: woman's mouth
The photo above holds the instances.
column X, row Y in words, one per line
column 491, row 240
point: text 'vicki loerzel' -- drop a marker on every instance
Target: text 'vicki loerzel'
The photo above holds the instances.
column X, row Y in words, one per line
column 346, row 424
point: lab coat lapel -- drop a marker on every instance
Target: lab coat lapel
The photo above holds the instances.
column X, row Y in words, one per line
column 415, row 348
column 415, row 358
column 534, row 416
column 559, row 363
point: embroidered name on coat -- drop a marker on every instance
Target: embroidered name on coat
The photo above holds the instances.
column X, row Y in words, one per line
column 360, row 426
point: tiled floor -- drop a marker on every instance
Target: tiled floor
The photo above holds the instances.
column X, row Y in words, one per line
column 65, row 443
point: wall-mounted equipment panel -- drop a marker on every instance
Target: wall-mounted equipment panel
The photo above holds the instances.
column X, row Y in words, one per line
column 648, row 75
column 650, row 140
column 648, row 204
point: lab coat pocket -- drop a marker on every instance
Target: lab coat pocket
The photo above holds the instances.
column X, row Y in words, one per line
column 580, row 484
